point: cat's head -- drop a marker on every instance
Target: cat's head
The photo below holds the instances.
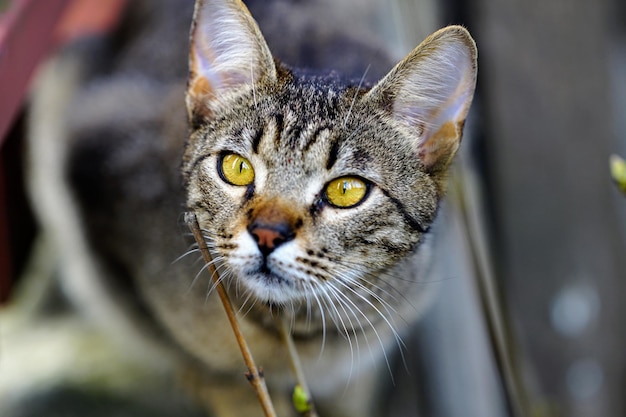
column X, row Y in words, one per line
column 308, row 187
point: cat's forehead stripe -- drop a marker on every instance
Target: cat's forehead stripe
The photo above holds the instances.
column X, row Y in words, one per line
column 332, row 154
column 279, row 125
column 256, row 139
column 317, row 133
column 292, row 132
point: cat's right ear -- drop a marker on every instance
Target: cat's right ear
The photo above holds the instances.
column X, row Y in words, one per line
column 429, row 93
column 227, row 54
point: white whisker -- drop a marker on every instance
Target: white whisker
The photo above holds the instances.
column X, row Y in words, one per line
column 400, row 343
column 249, row 296
column 356, row 93
column 323, row 319
column 195, row 278
column 222, row 277
column 253, row 85
column 192, row 250
column 343, row 304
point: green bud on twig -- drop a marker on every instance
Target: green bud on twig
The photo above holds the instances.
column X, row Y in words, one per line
column 301, row 400
column 618, row 172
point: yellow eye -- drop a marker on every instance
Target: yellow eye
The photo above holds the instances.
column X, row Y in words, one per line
column 236, row 170
column 346, row 192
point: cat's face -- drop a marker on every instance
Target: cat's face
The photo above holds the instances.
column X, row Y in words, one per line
column 301, row 192
column 307, row 189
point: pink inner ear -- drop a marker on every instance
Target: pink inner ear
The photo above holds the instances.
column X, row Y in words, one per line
column 438, row 149
column 455, row 109
column 201, row 57
column 200, row 88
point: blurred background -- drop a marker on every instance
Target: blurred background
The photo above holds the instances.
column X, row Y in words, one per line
column 551, row 108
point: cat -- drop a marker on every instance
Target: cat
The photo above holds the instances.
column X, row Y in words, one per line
column 316, row 191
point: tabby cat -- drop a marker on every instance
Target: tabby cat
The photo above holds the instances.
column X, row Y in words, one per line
column 316, row 192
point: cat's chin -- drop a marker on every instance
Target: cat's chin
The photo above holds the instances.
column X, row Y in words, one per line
column 269, row 287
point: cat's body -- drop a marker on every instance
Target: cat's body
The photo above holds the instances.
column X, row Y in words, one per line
column 109, row 131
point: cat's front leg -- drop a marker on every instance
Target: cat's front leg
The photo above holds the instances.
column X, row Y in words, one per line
column 359, row 398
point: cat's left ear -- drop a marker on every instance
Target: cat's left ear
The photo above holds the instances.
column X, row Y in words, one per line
column 227, row 53
column 430, row 91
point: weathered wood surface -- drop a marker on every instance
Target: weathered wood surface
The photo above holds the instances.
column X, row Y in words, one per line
column 549, row 117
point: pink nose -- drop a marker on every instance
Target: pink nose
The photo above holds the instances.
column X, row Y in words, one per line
column 272, row 224
column 269, row 236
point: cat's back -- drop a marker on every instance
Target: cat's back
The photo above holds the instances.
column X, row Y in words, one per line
column 152, row 38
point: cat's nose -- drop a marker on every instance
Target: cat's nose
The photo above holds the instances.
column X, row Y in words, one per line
column 270, row 236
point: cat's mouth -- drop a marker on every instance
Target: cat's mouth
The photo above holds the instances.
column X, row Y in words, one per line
column 264, row 273
column 270, row 285
column 264, row 269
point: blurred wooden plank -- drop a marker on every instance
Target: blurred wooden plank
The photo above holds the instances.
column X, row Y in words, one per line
column 544, row 75
column 30, row 30
column 25, row 38
column 87, row 17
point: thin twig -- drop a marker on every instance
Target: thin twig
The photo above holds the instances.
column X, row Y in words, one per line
column 296, row 366
column 254, row 375
column 492, row 308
